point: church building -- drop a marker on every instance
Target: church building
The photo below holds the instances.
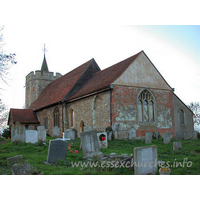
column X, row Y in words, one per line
column 131, row 94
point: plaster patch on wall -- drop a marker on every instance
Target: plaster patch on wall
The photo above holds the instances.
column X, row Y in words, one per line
column 164, row 119
column 127, row 113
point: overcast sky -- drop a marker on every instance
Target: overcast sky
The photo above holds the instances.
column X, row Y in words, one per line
column 174, row 50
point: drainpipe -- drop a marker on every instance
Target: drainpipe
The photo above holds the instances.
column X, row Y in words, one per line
column 94, row 112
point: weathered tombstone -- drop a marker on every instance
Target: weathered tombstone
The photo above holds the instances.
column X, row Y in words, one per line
column 56, row 131
column 186, row 135
column 102, row 143
column 76, row 132
column 177, row 145
column 179, row 135
column 87, row 128
column 25, row 169
column 145, row 160
column 112, row 155
column 57, row 150
column 70, row 134
column 115, row 128
column 90, row 144
column 18, row 133
column 194, row 135
column 15, row 160
column 31, row 136
column 31, row 128
column 148, row 138
column 42, row 134
column 166, row 138
column 110, row 135
column 132, row 133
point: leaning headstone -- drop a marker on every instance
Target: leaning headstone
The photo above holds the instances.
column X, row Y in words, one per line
column 42, row 134
column 56, row 131
column 166, row 138
column 145, row 160
column 186, row 135
column 177, row 145
column 70, row 134
column 57, row 150
column 31, row 128
column 132, row 133
column 15, row 160
column 25, row 169
column 90, row 144
column 103, row 143
column 31, row 136
column 148, row 138
column 194, row 135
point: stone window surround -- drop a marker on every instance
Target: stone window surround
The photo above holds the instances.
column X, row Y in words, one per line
column 181, row 116
column 154, row 108
column 71, row 118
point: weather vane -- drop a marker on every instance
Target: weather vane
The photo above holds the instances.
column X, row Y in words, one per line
column 44, row 49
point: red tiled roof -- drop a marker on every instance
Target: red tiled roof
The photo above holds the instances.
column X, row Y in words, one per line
column 24, row 116
column 57, row 90
column 104, row 78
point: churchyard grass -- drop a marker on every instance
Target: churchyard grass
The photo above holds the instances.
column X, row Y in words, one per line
column 36, row 155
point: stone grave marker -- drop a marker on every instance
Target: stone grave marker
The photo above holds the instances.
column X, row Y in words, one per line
column 70, row 134
column 103, row 143
column 56, row 131
column 148, row 138
column 179, row 135
column 177, row 145
column 87, row 128
column 186, row 135
column 90, row 144
column 42, row 134
column 18, row 133
column 132, row 133
column 145, row 160
column 194, row 135
column 166, row 138
column 31, row 136
column 25, row 169
column 57, row 150
column 15, row 160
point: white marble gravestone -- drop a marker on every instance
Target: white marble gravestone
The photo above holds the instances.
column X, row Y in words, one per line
column 31, row 136
column 70, row 134
column 145, row 160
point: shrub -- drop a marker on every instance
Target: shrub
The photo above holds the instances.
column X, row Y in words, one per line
column 6, row 133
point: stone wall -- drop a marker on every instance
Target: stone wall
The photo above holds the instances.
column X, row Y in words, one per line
column 125, row 112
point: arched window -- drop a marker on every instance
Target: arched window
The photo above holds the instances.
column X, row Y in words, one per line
column 146, row 107
column 181, row 113
column 72, row 118
column 56, row 117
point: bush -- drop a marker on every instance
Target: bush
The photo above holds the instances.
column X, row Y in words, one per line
column 6, row 133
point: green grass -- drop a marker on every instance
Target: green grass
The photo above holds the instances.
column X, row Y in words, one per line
column 36, row 155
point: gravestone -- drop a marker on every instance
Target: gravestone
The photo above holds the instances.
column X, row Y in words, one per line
column 113, row 155
column 104, row 143
column 186, row 135
column 110, row 135
column 42, row 134
column 194, row 135
column 31, row 136
column 148, row 138
column 166, row 138
column 177, row 145
column 70, row 134
column 115, row 128
column 57, row 150
column 15, row 160
column 90, row 144
column 145, row 160
column 87, row 128
column 56, row 131
column 132, row 133
column 31, row 128
column 179, row 135
column 18, row 133
column 25, row 169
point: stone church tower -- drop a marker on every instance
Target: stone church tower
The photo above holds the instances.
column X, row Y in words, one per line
column 37, row 81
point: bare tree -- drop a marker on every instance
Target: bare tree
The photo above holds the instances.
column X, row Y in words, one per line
column 6, row 60
column 195, row 107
